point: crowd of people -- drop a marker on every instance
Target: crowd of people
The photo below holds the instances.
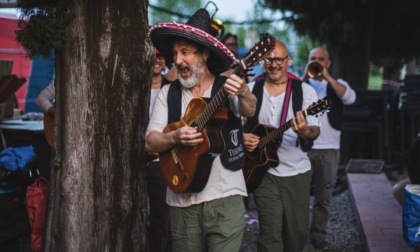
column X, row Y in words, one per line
column 210, row 217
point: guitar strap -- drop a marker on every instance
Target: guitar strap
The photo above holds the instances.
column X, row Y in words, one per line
column 174, row 102
column 175, row 97
column 286, row 102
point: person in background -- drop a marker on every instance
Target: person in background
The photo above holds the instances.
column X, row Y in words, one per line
column 158, row 233
column 413, row 171
column 46, row 102
column 211, row 219
column 45, row 99
column 325, row 154
column 282, row 197
column 231, row 42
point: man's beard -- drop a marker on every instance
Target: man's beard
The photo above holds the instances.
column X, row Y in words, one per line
column 196, row 72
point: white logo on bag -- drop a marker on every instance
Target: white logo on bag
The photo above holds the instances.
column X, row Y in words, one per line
column 418, row 233
column 234, row 136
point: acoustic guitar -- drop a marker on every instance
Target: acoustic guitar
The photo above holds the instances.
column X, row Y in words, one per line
column 257, row 162
column 186, row 169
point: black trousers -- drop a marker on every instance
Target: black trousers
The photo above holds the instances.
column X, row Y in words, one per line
column 159, row 240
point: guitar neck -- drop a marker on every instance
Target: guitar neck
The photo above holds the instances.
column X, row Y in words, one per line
column 211, row 108
column 216, row 102
column 277, row 132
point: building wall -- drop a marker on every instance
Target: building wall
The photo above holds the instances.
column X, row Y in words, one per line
column 38, row 72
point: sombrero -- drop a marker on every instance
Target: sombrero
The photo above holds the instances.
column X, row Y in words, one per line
column 198, row 30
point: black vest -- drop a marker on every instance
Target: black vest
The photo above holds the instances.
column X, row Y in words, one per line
column 232, row 132
column 335, row 116
column 297, row 100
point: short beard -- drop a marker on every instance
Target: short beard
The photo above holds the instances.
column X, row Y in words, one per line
column 283, row 73
column 196, row 70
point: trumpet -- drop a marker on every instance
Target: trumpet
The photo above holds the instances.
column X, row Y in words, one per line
column 217, row 28
column 315, row 70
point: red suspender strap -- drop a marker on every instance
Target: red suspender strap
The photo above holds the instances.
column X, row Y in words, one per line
column 286, row 101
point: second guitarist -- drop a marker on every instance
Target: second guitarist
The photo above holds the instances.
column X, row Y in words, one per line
column 282, row 197
column 211, row 219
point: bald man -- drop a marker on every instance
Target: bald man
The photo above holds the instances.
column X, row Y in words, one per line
column 282, row 197
column 325, row 154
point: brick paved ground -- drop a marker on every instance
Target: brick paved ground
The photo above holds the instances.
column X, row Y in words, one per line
column 379, row 214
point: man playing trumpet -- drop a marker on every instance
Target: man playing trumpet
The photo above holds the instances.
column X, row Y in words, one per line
column 325, row 154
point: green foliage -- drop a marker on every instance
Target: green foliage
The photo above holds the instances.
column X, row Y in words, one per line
column 179, row 6
column 375, row 81
column 42, row 25
column 322, row 20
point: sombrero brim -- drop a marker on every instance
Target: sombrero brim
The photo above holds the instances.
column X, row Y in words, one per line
column 164, row 33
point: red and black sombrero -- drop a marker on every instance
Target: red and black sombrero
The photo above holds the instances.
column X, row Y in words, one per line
column 198, row 30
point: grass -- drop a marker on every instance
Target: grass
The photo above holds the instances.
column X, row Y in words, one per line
column 375, row 81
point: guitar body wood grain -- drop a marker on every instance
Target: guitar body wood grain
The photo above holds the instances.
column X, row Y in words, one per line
column 257, row 163
column 186, row 169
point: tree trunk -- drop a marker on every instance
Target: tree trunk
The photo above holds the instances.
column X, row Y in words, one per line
column 98, row 191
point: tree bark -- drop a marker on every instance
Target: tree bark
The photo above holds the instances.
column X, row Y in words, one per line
column 98, row 199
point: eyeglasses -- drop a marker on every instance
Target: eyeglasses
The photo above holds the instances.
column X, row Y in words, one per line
column 279, row 61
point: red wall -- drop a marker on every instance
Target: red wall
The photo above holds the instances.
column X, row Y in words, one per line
column 11, row 50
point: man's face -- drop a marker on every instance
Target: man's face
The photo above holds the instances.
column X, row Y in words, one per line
column 232, row 45
column 159, row 64
column 277, row 63
column 320, row 56
column 189, row 62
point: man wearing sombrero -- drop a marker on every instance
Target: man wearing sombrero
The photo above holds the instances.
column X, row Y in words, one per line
column 212, row 219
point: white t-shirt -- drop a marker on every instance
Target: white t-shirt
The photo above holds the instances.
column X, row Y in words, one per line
column 44, row 98
column 153, row 94
column 293, row 160
column 222, row 182
column 329, row 138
